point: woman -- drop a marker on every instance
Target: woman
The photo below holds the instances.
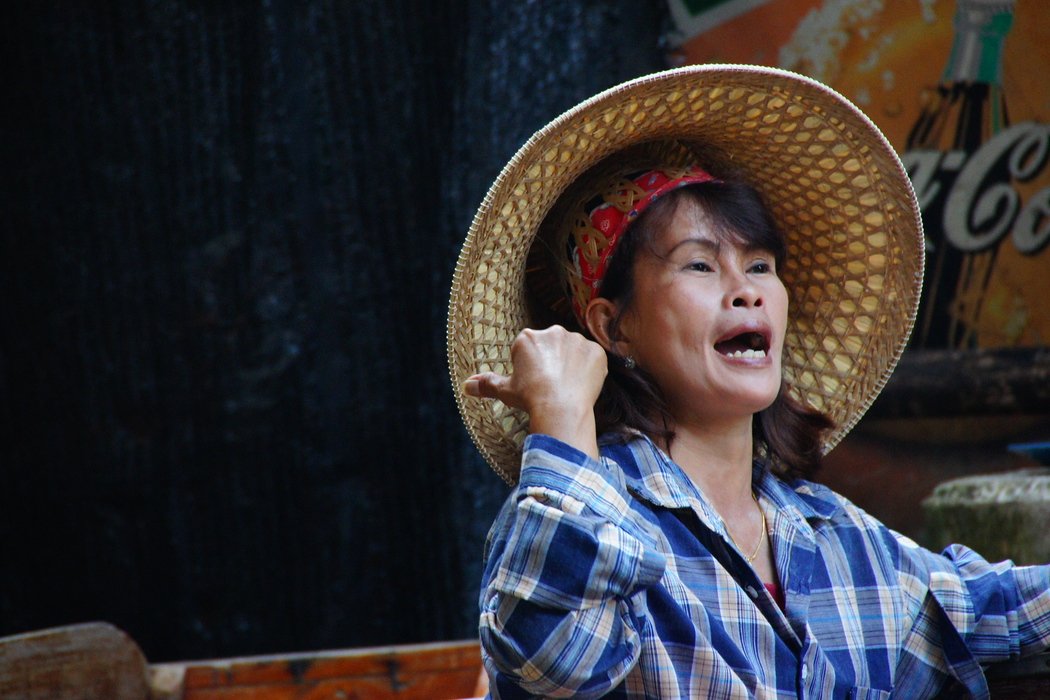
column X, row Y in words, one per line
column 740, row 258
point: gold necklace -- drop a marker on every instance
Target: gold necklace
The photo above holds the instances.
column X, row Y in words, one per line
column 761, row 535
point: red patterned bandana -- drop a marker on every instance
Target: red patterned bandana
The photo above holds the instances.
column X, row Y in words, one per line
column 600, row 226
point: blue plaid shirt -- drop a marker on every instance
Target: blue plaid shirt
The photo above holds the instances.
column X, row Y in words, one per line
column 617, row 578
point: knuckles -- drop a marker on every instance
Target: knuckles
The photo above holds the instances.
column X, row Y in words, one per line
column 551, row 335
column 558, row 342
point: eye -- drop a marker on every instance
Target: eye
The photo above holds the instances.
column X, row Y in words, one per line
column 698, row 266
column 761, row 267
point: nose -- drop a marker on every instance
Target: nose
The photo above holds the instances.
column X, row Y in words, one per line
column 747, row 300
column 742, row 293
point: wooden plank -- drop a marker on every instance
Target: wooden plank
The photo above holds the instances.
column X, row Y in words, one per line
column 432, row 671
column 91, row 661
column 952, row 383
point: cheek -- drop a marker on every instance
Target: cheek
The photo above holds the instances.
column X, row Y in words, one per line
column 778, row 313
column 781, row 303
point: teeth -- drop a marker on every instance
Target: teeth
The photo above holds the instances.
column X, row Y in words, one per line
column 747, row 353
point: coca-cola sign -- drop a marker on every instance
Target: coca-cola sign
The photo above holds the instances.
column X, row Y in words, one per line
column 959, row 88
column 981, row 202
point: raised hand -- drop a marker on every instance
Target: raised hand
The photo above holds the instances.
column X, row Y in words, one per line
column 557, row 378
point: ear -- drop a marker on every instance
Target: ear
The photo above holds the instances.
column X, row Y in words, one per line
column 598, row 316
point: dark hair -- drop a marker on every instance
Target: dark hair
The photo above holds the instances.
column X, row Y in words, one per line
column 787, row 432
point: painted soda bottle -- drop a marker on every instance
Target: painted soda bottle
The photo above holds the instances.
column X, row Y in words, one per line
column 964, row 111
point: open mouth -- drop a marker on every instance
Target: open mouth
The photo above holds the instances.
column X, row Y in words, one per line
column 750, row 344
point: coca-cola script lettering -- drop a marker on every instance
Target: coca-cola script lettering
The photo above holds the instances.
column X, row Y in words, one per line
column 980, row 203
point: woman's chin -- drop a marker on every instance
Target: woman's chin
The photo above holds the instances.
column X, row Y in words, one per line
column 752, row 402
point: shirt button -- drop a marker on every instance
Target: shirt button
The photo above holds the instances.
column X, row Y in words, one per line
column 751, row 592
column 805, row 672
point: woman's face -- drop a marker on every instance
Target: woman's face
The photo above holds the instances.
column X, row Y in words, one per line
column 707, row 320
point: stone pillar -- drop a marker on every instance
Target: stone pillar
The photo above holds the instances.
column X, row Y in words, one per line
column 1001, row 516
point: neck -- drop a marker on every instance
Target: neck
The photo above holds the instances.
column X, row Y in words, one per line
column 717, row 457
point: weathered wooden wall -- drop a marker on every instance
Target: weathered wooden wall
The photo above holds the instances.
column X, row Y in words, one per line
column 228, row 234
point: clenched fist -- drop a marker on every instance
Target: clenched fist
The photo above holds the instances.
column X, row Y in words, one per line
column 557, row 378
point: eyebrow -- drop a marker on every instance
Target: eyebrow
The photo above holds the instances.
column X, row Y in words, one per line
column 714, row 245
column 705, row 242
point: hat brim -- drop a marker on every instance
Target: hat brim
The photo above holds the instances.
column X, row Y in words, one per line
column 830, row 178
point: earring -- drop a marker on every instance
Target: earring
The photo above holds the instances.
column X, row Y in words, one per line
column 629, row 362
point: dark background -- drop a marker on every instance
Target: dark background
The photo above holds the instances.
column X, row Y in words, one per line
column 229, row 230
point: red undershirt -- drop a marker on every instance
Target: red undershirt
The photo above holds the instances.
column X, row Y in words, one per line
column 778, row 595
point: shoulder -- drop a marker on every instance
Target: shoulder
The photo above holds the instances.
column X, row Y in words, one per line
column 812, row 500
column 556, row 474
column 560, row 481
column 825, row 509
column 550, row 463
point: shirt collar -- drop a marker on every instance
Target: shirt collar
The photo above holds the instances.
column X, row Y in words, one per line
column 653, row 476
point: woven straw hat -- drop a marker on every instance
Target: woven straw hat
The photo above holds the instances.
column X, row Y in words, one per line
column 831, row 180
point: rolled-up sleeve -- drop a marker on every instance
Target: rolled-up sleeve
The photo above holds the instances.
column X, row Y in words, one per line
column 1002, row 610
column 557, row 615
column 969, row 611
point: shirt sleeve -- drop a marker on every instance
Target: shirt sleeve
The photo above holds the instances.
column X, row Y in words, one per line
column 557, row 615
column 969, row 611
